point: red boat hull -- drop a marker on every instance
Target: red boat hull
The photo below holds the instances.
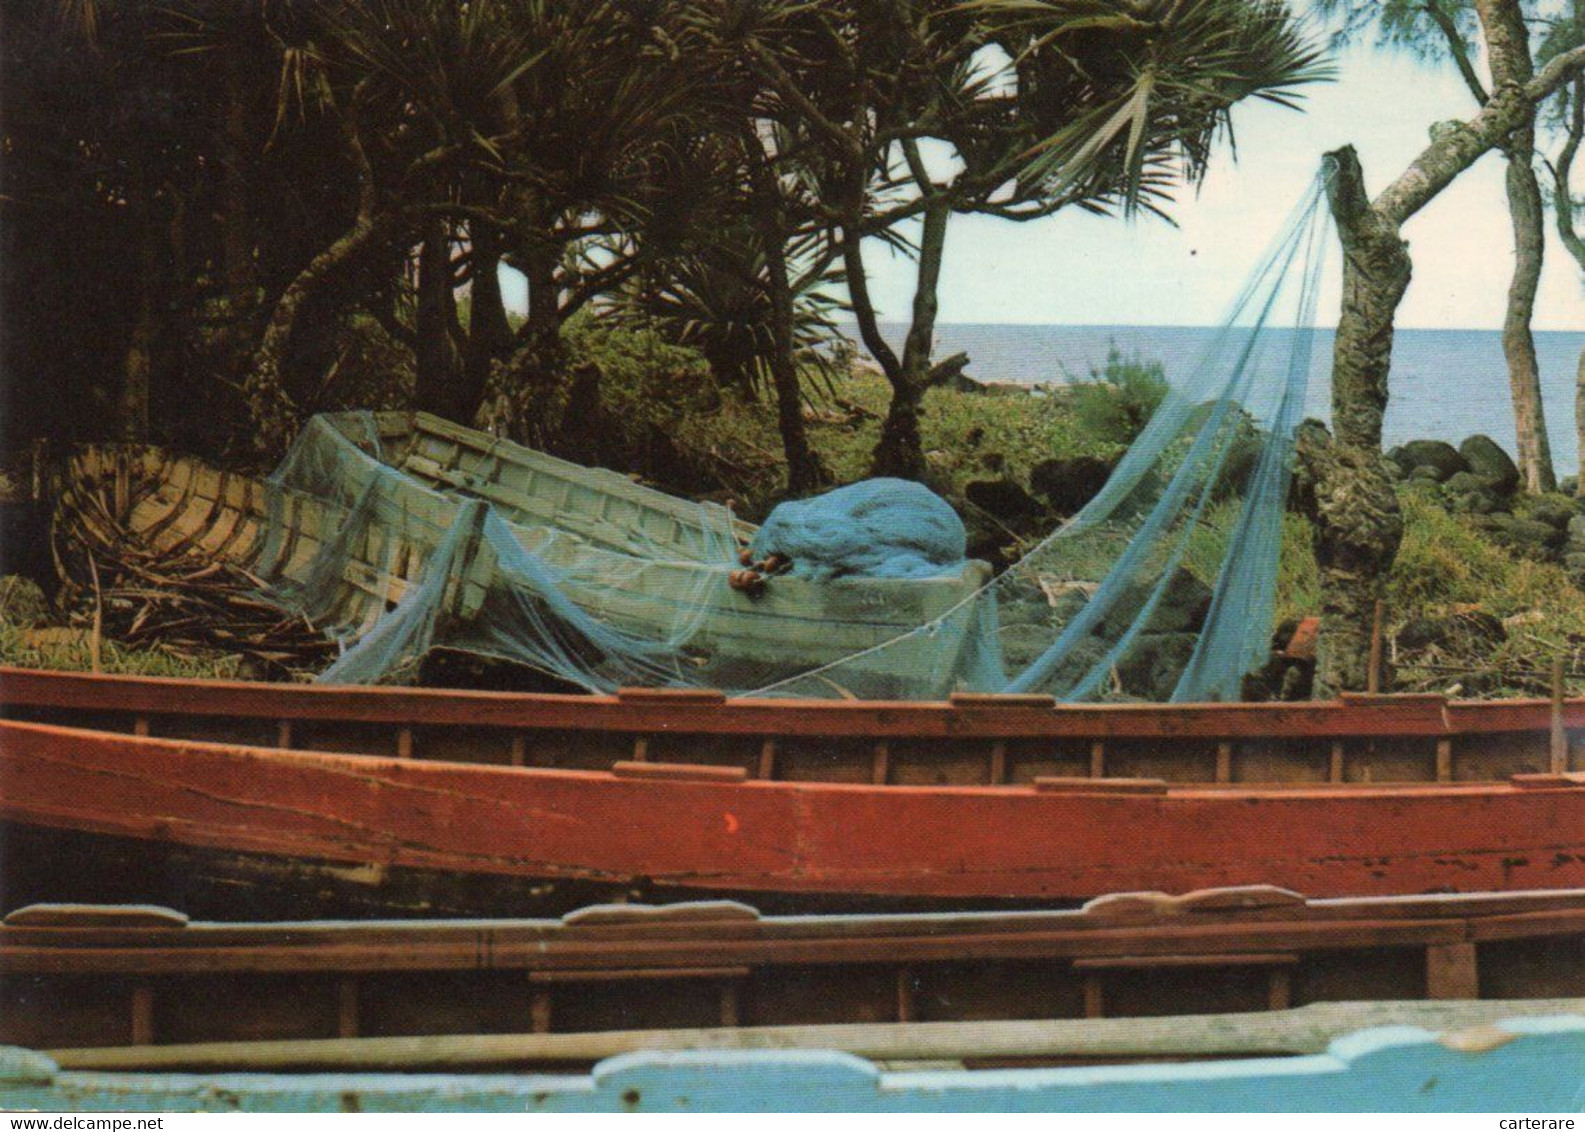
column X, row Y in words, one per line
column 698, row 830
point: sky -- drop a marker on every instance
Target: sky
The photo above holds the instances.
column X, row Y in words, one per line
column 1078, row 269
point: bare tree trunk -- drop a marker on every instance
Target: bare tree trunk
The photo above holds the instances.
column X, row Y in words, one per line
column 1518, row 343
column 270, row 407
column 138, row 365
column 236, row 246
column 1563, row 203
column 273, row 412
column 489, row 332
column 436, row 355
column 1356, row 551
column 804, row 470
column 900, row 451
column 1357, row 523
column 518, row 401
column 1508, row 54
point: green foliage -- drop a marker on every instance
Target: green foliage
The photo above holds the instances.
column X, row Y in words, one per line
column 1119, row 397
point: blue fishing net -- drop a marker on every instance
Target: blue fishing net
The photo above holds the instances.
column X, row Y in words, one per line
column 399, row 533
column 876, row 528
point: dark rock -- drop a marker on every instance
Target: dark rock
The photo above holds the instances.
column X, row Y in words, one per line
column 1068, row 484
column 1438, row 455
column 1486, row 459
column 1553, row 509
column 1084, row 656
column 1002, row 498
column 1471, row 494
column 1182, row 608
column 1152, row 668
column 1529, row 537
column 1280, row 678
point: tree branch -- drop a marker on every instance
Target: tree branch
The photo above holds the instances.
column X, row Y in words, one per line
column 1455, row 44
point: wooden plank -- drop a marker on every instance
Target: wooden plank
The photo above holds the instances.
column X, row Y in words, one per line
column 832, row 719
column 1171, row 962
column 637, row 974
column 1451, row 971
column 679, row 772
column 905, row 995
column 1305, row 1029
column 142, row 1009
column 1060, row 785
column 346, row 1008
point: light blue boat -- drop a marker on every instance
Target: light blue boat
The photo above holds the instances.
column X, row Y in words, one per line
column 1525, row 1064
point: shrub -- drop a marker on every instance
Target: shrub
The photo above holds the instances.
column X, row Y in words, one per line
column 1119, row 397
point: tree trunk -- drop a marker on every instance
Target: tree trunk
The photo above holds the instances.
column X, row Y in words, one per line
column 1358, row 525
column 1563, row 203
column 804, row 471
column 138, row 365
column 1579, row 423
column 900, row 451
column 1518, row 343
column 437, row 364
column 489, row 332
column 1356, row 552
column 273, row 413
column 138, row 362
column 236, row 243
column 519, row 402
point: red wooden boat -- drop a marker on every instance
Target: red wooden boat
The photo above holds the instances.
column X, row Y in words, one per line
column 457, row 802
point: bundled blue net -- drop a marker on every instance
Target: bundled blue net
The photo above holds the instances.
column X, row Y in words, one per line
column 398, row 534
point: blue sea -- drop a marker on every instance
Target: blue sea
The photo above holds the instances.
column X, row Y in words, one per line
column 1446, row 384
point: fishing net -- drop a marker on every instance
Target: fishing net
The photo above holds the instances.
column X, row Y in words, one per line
column 397, row 536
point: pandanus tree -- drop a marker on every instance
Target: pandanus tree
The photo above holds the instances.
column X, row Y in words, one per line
column 921, row 110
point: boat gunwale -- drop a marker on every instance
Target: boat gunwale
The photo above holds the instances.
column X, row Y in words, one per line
column 648, row 710
column 1089, row 790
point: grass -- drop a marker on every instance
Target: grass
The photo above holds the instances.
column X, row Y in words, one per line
column 72, row 651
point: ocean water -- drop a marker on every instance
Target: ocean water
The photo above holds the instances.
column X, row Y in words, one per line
column 1445, row 385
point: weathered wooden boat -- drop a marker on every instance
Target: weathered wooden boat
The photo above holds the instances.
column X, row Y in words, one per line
column 575, row 989
column 461, row 803
column 640, row 561
column 1522, row 1064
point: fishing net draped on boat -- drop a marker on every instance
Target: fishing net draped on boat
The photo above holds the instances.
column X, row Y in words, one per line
column 398, row 538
